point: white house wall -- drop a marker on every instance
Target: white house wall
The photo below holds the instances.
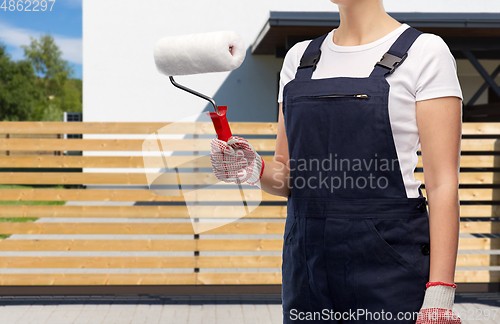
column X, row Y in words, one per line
column 121, row 82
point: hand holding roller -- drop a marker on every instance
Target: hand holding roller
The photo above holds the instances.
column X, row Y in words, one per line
column 201, row 53
column 236, row 161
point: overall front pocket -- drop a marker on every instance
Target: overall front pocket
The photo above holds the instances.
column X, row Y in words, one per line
column 396, row 237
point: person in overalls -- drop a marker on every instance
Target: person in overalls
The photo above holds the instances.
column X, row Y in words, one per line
column 359, row 244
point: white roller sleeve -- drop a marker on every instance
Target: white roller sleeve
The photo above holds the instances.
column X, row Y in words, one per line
column 199, row 53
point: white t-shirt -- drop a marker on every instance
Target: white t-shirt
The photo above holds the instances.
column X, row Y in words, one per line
column 428, row 72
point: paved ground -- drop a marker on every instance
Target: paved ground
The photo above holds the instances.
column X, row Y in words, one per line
column 221, row 309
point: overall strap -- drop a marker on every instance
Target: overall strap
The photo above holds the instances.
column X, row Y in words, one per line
column 310, row 59
column 396, row 54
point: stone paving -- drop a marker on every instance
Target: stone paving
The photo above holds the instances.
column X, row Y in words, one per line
column 207, row 309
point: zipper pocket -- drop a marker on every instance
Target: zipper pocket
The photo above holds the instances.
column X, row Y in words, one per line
column 347, row 96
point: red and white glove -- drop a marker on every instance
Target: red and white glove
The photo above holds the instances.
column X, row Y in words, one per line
column 236, row 161
column 438, row 305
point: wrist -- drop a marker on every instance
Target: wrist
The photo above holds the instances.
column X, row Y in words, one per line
column 261, row 171
column 440, row 283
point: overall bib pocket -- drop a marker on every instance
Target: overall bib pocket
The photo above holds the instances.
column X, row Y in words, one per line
column 337, row 97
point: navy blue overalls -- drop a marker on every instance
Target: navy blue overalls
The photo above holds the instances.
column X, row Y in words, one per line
column 354, row 241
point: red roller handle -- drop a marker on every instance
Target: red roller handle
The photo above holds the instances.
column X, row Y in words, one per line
column 220, row 123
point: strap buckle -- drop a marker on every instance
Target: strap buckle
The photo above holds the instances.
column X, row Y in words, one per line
column 391, row 62
column 310, row 61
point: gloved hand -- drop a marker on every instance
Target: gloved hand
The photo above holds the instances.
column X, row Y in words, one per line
column 437, row 307
column 236, row 161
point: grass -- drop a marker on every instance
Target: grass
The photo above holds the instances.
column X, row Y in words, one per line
column 15, row 220
column 16, row 202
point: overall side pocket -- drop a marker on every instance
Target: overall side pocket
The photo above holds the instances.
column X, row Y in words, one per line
column 403, row 251
column 289, row 227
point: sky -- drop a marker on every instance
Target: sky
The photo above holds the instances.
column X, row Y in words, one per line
column 64, row 23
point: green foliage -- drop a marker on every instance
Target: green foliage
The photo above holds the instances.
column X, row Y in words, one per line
column 24, row 219
column 22, row 202
column 38, row 88
column 15, row 220
column 18, row 91
column 46, row 59
column 73, row 96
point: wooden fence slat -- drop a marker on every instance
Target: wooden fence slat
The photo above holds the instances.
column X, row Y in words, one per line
column 139, row 228
column 477, row 276
column 84, row 262
column 177, row 128
column 480, row 243
column 144, row 245
column 182, row 211
column 251, row 128
column 154, row 262
column 480, row 178
column 480, row 227
column 201, row 278
column 185, row 228
column 256, row 278
column 73, row 178
column 201, row 262
column 136, row 211
column 186, row 245
column 477, row 260
column 139, row 178
column 91, row 279
column 180, row 145
column 479, row 161
column 34, row 161
column 208, row 195
column 204, row 195
column 480, row 128
column 63, row 161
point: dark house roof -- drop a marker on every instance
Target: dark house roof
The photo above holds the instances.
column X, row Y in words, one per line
column 477, row 32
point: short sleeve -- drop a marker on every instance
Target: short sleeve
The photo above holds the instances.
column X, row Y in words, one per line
column 290, row 64
column 436, row 75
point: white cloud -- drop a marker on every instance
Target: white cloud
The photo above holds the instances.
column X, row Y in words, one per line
column 70, row 47
column 14, row 36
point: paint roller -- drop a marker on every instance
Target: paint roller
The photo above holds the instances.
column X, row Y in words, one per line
column 201, row 53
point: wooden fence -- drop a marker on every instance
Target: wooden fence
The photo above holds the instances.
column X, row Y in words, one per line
column 245, row 252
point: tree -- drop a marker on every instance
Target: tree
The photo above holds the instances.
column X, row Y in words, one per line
column 46, row 58
column 18, row 92
column 24, row 95
column 73, row 96
column 53, row 73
